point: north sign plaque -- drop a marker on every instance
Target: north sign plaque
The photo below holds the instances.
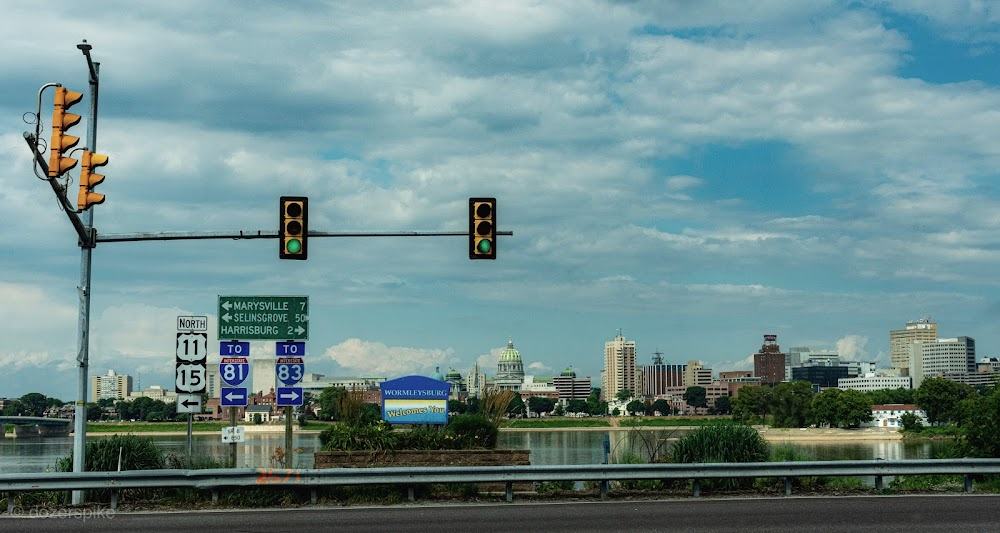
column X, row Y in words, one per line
column 264, row 317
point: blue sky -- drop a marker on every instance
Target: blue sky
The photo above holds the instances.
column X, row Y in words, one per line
column 697, row 174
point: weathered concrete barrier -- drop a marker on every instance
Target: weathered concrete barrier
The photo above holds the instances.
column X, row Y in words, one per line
column 365, row 459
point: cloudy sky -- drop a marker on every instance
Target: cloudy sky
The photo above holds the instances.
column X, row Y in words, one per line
column 696, row 174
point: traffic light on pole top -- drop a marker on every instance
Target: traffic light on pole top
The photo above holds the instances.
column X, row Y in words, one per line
column 88, row 180
column 482, row 228
column 59, row 161
column 293, row 227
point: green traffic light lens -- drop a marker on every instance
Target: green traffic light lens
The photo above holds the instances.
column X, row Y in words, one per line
column 293, row 246
column 484, row 246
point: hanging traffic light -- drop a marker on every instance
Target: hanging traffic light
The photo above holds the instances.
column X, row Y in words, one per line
column 482, row 228
column 88, row 180
column 293, row 227
column 59, row 161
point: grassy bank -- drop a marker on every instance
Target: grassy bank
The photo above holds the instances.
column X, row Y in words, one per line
column 555, row 423
column 670, row 421
column 173, row 427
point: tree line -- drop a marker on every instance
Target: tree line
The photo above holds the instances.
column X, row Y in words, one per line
column 142, row 409
column 793, row 404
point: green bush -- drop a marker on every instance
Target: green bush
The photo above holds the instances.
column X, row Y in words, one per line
column 470, row 431
column 103, row 455
column 911, row 422
column 463, row 432
column 348, row 437
column 722, row 443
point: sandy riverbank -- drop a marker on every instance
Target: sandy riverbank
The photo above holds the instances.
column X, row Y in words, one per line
column 826, row 434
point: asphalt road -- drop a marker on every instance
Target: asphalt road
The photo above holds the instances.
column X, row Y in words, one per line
column 884, row 514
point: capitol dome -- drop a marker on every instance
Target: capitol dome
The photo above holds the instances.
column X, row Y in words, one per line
column 510, row 368
column 453, row 375
column 510, row 354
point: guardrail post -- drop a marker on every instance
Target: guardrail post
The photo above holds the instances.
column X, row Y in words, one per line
column 878, row 483
column 968, row 483
column 510, row 491
column 215, row 496
column 114, row 498
column 10, row 502
column 695, row 488
column 603, row 488
column 313, row 495
column 788, row 486
column 410, row 494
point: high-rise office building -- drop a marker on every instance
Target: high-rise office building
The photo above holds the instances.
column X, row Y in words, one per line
column 922, row 330
column 110, row 385
column 769, row 362
column 619, row 367
column 655, row 379
column 696, row 375
column 571, row 387
column 948, row 358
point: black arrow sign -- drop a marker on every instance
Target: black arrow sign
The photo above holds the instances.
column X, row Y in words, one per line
column 189, row 403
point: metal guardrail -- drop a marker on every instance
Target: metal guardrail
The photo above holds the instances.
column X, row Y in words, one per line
column 216, row 479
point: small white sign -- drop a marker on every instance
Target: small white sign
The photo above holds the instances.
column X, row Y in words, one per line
column 189, row 403
column 192, row 323
column 232, row 434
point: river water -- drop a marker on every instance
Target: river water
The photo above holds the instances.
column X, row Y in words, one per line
column 547, row 448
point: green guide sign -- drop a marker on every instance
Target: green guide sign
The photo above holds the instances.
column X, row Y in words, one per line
column 264, row 318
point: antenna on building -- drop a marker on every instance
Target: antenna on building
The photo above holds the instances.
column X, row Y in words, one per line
column 657, row 357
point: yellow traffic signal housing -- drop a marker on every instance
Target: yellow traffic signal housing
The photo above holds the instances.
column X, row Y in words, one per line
column 61, row 143
column 293, row 227
column 88, row 180
column 482, row 228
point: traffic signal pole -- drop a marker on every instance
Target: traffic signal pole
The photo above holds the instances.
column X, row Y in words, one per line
column 86, row 250
column 84, row 225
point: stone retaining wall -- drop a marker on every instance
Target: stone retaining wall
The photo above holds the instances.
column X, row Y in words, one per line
column 422, row 458
column 431, row 458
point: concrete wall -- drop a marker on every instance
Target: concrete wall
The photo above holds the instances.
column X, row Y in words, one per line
column 422, row 458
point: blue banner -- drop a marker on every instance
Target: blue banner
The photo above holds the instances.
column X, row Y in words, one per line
column 415, row 400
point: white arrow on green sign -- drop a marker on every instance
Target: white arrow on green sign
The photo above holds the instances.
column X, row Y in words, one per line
column 264, row 317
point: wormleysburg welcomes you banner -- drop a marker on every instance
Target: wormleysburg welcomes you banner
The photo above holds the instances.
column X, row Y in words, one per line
column 415, row 400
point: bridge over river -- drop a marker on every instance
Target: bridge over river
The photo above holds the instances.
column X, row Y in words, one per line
column 37, row 426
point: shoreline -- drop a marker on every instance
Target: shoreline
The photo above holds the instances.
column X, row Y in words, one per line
column 770, row 434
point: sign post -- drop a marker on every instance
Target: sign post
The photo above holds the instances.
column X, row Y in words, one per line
column 289, row 371
column 233, row 369
column 191, row 372
column 278, row 318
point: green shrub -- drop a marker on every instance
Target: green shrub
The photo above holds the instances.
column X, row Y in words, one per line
column 103, row 455
column 419, row 438
column 471, row 431
column 348, row 437
column 911, row 422
column 722, row 443
column 633, row 458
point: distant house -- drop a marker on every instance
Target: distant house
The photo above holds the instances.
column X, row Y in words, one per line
column 889, row 415
column 263, row 410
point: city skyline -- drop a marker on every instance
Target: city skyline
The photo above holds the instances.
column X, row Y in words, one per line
column 697, row 174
